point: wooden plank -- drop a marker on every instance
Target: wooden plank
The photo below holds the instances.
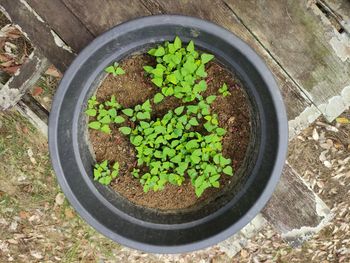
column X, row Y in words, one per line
column 34, row 112
column 295, row 210
column 340, row 7
column 99, row 16
column 340, row 10
column 63, row 22
column 39, row 33
column 23, row 80
column 305, row 44
column 295, row 101
column 35, row 107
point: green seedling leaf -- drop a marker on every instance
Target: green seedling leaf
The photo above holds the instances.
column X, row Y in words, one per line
column 177, row 43
column 206, row 58
column 199, row 181
column 105, row 128
column 116, row 166
column 152, row 51
column 148, row 69
column 179, row 110
column 106, row 119
column 215, row 184
column 201, row 71
column 91, row 112
column 146, row 106
column 228, row 170
column 143, row 115
column 171, row 49
column 193, row 121
column 210, row 99
column 125, row 130
column 159, row 52
column 128, row 112
column 208, row 126
column 95, row 125
column 220, row 131
column 119, row 119
column 172, row 78
column 158, row 98
column 176, row 159
column 119, row 71
column 157, row 72
column 190, row 46
column 112, row 113
column 144, row 125
column 224, row 161
column 158, row 81
column 137, row 140
column 195, row 159
column 168, row 91
column 110, row 69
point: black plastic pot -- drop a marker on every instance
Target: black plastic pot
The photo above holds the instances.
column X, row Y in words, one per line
column 147, row 229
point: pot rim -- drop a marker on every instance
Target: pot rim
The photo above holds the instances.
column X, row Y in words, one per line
column 250, row 55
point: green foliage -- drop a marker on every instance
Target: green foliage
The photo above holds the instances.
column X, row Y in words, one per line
column 158, row 98
column 224, row 90
column 186, row 141
column 103, row 114
column 103, row 174
column 115, row 69
column 179, row 70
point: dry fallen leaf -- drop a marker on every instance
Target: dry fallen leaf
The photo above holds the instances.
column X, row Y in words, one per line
column 343, row 120
column 30, row 154
column 52, row 71
column 59, row 199
column 315, row 135
column 11, row 70
column 69, row 213
column 37, row 91
column 244, row 253
column 23, row 214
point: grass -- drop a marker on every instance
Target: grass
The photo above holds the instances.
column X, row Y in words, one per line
column 27, row 196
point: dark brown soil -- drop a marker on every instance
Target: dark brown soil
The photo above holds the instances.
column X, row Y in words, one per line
column 134, row 88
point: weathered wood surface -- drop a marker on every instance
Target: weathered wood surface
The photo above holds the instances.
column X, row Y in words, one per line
column 64, row 22
column 305, row 44
column 34, row 112
column 98, row 16
column 341, row 7
column 23, row 80
column 294, row 209
column 39, row 33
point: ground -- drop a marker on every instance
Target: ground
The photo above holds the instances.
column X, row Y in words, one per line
column 38, row 225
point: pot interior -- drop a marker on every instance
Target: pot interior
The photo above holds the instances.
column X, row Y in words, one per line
column 150, row 229
column 209, row 205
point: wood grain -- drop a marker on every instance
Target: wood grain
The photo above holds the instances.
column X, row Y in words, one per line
column 294, row 210
column 341, row 7
column 99, row 16
column 39, row 33
column 64, row 23
column 298, row 36
column 29, row 72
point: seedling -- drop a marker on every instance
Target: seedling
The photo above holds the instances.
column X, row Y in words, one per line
column 115, row 69
column 179, row 70
column 224, row 90
column 103, row 174
column 104, row 114
column 186, row 141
